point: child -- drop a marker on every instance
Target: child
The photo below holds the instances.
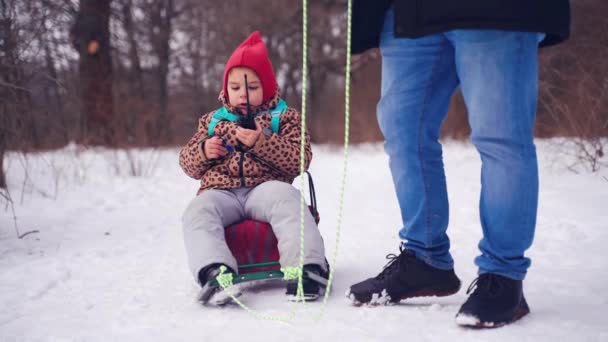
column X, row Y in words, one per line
column 246, row 170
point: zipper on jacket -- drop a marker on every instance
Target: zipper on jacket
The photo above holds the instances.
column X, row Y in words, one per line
column 241, row 172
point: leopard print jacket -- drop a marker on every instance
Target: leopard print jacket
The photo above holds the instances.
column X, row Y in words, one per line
column 272, row 157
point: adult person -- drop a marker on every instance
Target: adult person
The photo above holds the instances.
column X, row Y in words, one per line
column 488, row 48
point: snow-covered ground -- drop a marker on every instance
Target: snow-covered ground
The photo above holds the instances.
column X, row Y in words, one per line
column 107, row 262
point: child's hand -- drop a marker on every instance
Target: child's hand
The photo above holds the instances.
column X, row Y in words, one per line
column 214, row 148
column 248, row 136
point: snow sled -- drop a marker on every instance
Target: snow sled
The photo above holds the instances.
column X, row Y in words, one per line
column 255, row 249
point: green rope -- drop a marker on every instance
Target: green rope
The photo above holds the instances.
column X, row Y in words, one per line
column 224, row 279
column 290, row 273
column 300, row 291
column 347, row 82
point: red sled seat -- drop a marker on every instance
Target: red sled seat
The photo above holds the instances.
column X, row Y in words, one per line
column 254, row 246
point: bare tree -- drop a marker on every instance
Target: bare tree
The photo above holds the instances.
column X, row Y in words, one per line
column 161, row 15
column 135, row 75
column 15, row 99
column 573, row 99
column 91, row 38
column 146, row 77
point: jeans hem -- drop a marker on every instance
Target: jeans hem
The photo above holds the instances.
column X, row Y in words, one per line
column 510, row 275
column 424, row 257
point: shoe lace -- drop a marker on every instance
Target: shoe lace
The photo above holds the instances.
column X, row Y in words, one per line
column 393, row 264
column 487, row 284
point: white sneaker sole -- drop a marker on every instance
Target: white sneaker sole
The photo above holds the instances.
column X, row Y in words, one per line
column 377, row 299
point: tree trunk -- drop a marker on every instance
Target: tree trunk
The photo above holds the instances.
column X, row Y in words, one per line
column 3, row 184
column 161, row 15
column 136, row 80
column 4, row 137
column 91, row 37
column 52, row 93
column 165, row 16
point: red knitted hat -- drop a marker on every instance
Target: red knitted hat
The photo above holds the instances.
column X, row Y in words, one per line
column 252, row 54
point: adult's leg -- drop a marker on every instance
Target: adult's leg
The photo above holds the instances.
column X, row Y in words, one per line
column 498, row 72
column 418, row 80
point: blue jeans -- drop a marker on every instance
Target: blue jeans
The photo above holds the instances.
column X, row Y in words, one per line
column 498, row 75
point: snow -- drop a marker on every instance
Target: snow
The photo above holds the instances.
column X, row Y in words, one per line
column 108, row 261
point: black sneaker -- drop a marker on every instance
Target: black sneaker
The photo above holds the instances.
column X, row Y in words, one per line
column 206, row 278
column 403, row 277
column 496, row 301
column 314, row 281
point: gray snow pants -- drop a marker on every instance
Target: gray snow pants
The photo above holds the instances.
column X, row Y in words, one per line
column 275, row 202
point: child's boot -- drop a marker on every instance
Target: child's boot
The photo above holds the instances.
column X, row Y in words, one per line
column 314, row 281
column 206, row 277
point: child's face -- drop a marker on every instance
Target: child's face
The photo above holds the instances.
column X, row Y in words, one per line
column 236, row 88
